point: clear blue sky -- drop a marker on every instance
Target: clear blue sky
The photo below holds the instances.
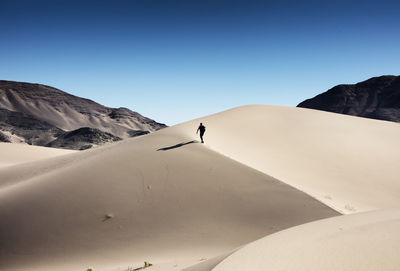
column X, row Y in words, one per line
column 177, row 60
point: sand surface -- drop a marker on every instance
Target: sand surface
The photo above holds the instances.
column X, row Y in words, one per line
column 349, row 163
column 13, row 154
column 170, row 200
column 365, row 241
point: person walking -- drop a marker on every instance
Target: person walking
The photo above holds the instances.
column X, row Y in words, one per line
column 202, row 130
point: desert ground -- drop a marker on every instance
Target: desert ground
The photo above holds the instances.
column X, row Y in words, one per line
column 272, row 188
column 13, row 154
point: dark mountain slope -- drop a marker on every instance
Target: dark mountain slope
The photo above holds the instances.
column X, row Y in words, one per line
column 69, row 112
column 45, row 116
column 82, row 138
column 376, row 98
column 27, row 127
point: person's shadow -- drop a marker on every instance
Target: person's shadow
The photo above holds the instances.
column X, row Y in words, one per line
column 177, row 145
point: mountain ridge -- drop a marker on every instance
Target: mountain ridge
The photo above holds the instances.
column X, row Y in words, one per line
column 375, row 98
column 39, row 105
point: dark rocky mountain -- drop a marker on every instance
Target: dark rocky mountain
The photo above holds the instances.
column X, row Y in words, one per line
column 376, row 98
column 41, row 115
column 82, row 139
column 21, row 127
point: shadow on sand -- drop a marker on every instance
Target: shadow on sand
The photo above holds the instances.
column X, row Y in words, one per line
column 178, row 145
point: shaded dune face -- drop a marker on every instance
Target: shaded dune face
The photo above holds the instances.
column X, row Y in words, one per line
column 165, row 196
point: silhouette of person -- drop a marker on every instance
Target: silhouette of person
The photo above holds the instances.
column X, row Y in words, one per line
column 202, row 130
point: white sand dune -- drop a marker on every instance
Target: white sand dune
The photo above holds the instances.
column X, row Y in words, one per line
column 12, row 154
column 365, row 241
column 169, row 200
column 348, row 163
column 184, row 202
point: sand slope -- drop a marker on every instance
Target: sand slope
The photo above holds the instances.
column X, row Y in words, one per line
column 366, row 241
column 166, row 198
column 121, row 204
column 12, row 154
column 348, row 163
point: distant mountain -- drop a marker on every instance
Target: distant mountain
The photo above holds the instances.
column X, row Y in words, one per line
column 376, row 98
column 82, row 138
column 41, row 115
column 20, row 127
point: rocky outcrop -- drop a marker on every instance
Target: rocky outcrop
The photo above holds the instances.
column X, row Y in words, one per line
column 82, row 138
column 4, row 138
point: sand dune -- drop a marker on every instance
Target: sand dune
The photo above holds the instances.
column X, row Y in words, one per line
column 121, row 204
column 348, row 163
column 12, row 154
column 366, row 241
column 172, row 201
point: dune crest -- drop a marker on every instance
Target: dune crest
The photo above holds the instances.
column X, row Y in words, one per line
column 348, row 163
